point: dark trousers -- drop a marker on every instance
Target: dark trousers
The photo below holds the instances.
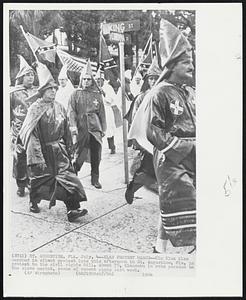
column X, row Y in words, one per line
column 20, row 169
column 111, row 144
column 95, row 149
column 72, row 203
column 95, row 154
column 145, row 174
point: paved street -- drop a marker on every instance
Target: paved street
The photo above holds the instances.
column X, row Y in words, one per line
column 110, row 226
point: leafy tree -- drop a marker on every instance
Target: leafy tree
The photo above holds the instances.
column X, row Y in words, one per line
column 83, row 27
column 40, row 23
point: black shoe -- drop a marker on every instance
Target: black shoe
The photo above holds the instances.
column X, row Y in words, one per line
column 95, row 182
column 34, row 208
column 129, row 194
column 154, row 250
column 21, row 191
column 72, row 215
column 112, row 151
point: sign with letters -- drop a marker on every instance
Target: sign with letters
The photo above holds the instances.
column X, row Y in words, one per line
column 116, row 37
column 121, row 27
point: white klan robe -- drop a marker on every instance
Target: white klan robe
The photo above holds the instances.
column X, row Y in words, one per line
column 135, row 88
column 63, row 94
column 109, row 100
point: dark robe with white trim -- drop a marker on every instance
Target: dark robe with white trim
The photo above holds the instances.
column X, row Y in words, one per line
column 171, row 129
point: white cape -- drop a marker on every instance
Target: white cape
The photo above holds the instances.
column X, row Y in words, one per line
column 63, row 94
column 138, row 130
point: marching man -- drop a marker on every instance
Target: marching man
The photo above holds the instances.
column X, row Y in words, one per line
column 87, row 123
column 167, row 115
column 19, row 103
column 46, row 138
column 144, row 175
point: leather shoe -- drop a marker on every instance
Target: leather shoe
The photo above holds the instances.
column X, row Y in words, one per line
column 97, row 184
column 154, row 250
column 34, row 208
column 129, row 195
column 21, row 191
column 72, row 215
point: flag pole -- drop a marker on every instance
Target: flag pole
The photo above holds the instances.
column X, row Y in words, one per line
column 122, row 77
column 28, row 42
column 100, row 52
column 141, row 60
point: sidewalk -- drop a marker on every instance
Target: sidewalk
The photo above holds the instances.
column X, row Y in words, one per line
column 111, row 225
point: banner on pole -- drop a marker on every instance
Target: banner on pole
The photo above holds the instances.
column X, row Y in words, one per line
column 74, row 63
column 42, row 49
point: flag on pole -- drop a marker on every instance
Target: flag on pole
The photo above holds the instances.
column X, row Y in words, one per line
column 74, row 63
column 148, row 58
column 108, row 64
column 41, row 49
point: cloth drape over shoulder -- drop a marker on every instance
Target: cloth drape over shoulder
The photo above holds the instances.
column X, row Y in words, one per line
column 47, row 140
column 34, row 114
column 138, row 130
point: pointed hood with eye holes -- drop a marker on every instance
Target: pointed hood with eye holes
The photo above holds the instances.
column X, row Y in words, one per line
column 86, row 71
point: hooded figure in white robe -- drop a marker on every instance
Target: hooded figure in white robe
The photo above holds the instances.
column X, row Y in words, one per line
column 109, row 98
column 136, row 84
column 65, row 88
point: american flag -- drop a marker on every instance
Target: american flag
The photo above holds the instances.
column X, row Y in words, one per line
column 74, row 63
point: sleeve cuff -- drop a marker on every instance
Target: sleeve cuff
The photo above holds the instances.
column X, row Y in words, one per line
column 179, row 151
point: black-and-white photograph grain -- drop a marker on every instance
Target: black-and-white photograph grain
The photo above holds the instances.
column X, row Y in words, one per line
column 103, row 131
column 122, row 165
